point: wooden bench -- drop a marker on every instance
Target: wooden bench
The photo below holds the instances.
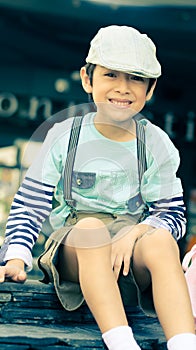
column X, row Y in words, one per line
column 31, row 317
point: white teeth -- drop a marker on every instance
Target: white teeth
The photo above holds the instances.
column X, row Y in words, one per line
column 120, row 103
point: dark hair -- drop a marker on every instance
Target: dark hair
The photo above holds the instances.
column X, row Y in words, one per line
column 90, row 69
column 151, row 82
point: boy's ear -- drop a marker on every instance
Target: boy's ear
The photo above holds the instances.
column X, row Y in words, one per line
column 150, row 93
column 85, row 81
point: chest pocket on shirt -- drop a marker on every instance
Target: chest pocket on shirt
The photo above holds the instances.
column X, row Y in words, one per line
column 83, row 180
column 135, row 202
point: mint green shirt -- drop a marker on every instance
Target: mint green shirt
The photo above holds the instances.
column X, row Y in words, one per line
column 105, row 177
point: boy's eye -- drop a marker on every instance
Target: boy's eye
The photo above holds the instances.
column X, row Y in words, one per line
column 110, row 74
column 136, row 78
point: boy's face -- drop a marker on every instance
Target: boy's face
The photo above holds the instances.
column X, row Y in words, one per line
column 117, row 95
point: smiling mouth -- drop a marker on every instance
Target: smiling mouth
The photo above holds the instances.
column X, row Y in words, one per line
column 120, row 103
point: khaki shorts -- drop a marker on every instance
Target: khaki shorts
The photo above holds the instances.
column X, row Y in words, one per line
column 69, row 293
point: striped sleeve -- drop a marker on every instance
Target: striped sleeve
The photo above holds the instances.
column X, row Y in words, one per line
column 31, row 205
column 168, row 213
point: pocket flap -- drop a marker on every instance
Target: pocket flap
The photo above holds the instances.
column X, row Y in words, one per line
column 83, row 180
column 135, row 202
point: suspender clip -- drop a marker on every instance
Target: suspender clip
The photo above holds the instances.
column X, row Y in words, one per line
column 73, row 212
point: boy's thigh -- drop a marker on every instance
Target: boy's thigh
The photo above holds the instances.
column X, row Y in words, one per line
column 89, row 232
column 152, row 248
column 155, row 244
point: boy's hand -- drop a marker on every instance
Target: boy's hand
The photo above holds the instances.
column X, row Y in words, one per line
column 123, row 245
column 122, row 250
column 14, row 271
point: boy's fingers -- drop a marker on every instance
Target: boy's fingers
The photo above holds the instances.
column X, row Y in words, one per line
column 21, row 277
column 13, row 273
column 126, row 265
column 117, row 266
column 2, row 274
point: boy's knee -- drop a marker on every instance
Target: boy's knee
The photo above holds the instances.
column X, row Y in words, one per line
column 89, row 223
column 158, row 245
column 89, row 232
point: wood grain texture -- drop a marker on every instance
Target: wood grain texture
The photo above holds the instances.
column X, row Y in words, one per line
column 31, row 317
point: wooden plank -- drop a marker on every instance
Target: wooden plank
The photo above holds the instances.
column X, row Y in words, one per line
column 48, row 335
column 16, row 347
column 37, row 320
column 28, row 286
column 5, row 297
column 74, row 337
column 34, row 296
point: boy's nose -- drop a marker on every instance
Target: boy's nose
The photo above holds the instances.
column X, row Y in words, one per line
column 122, row 86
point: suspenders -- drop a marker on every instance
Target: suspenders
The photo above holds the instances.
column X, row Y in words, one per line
column 68, row 172
column 141, row 149
column 72, row 147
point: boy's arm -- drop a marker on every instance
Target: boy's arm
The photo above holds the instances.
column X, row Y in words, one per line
column 168, row 213
column 31, row 205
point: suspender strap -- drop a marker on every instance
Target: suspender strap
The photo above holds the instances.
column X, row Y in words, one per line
column 72, row 147
column 141, row 149
column 141, row 157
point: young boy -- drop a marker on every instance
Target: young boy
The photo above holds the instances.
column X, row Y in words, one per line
column 104, row 248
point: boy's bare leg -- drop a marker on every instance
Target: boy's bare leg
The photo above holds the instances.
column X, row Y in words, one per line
column 156, row 254
column 92, row 267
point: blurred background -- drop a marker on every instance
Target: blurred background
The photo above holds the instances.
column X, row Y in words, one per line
column 43, row 44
